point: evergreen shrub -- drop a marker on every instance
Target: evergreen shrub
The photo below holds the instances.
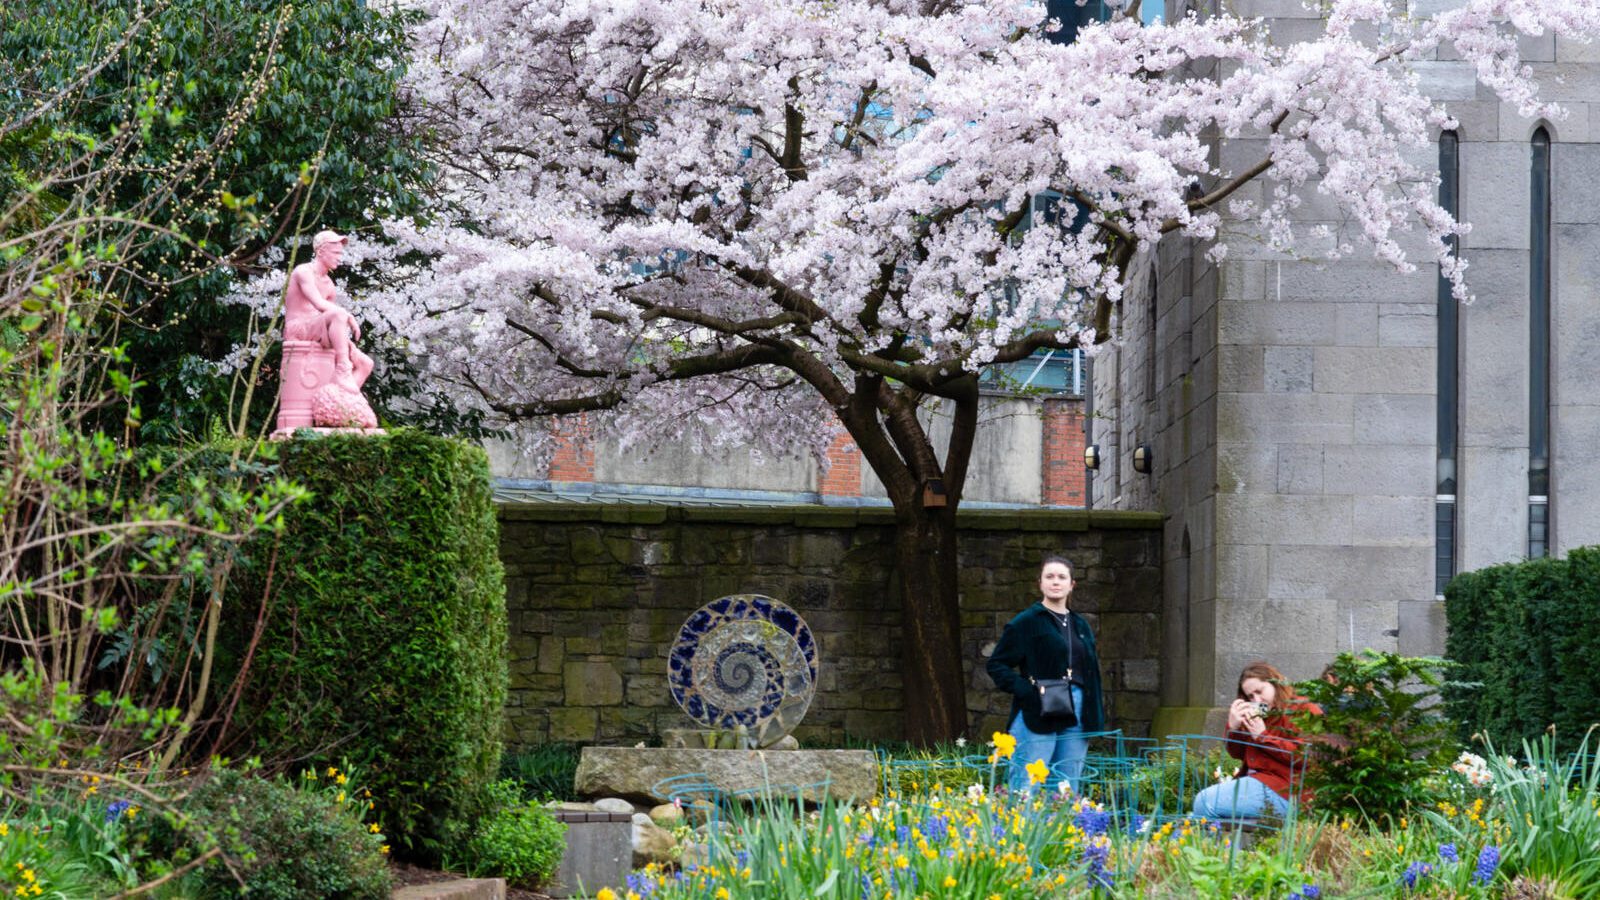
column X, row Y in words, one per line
column 515, row 839
column 1527, row 638
column 384, row 639
column 286, row 842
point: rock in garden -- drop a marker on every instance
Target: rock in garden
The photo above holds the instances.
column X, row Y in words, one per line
column 651, row 842
column 614, row 805
column 666, row 815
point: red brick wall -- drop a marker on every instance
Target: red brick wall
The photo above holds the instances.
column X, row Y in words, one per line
column 573, row 459
column 1063, row 475
column 843, row 478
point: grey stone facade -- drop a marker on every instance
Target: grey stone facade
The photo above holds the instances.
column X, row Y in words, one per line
column 595, row 595
column 1292, row 406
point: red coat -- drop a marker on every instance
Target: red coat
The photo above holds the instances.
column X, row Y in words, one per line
column 1276, row 757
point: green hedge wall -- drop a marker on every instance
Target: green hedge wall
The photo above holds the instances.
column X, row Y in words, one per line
column 385, row 640
column 1528, row 638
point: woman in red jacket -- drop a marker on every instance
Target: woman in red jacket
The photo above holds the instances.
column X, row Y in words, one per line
column 1266, row 743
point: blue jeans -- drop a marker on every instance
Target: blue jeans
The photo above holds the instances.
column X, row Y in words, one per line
column 1241, row 798
column 1063, row 751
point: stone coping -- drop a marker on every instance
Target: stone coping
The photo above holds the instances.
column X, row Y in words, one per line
column 819, row 516
column 651, row 774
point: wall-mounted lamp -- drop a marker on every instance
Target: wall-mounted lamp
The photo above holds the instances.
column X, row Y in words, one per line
column 933, row 493
column 1142, row 459
column 1091, row 456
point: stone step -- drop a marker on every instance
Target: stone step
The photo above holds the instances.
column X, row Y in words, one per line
column 457, row 889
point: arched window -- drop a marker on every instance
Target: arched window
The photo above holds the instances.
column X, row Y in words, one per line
column 1449, row 377
column 1539, row 349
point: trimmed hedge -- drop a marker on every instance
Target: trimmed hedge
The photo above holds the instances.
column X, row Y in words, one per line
column 1528, row 638
column 385, row 642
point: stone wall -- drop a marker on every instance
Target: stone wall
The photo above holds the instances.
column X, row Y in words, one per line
column 596, row 594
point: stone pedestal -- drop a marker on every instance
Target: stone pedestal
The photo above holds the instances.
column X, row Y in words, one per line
column 599, row 853
column 639, row 773
column 309, row 395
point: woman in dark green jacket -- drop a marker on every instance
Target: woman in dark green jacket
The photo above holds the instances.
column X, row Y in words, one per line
column 1049, row 640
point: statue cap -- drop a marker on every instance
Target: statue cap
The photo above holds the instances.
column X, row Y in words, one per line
column 326, row 236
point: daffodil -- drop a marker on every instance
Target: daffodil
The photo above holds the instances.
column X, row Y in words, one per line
column 1037, row 771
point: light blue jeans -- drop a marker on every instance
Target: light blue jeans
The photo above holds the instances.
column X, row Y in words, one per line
column 1241, row 798
column 1062, row 751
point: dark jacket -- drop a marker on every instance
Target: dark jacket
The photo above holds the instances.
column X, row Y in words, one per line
column 1032, row 645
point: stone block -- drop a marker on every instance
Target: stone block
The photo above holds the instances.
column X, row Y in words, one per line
column 1408, row 325
column 1378, row 470
column 1397, row 419
column 592, row 683
column 635, row 773
column 1447, row 80
column 1575, row 332
column 1356, row 324
column 1246, row 467
column 1355, row 280
column 1375, row 370
column 1497, row 203
column 1422, row 628
column 1273, row 324
column 1242, row 280
column 1571, row 50
column 1242, row 572
column 455, row 889
column 1577, row 501
column 573, row 724
column 1288, row 369
column 1492, row 507
column 1477, row 120
column 1283, row 519
column 1395, row 521
column 1300, row 469
column 1141, row 674
column 1267, row 629
column 1349, row 571
column 1285, row 418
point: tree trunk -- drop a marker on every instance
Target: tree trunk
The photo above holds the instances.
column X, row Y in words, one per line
column 931, row 656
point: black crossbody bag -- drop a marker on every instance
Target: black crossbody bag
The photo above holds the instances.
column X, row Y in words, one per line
column 1055, row 694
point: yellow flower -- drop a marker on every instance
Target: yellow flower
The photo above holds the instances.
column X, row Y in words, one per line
column 384, row 849
column 1004, row 744
column 722, row 893
column 949, row 881
column 332, row 771
column 632, row 895
column 1038, row 771
column 22, row 890
column 4, row 829
column 27, row 875
column 340, row 798
column 373, row 828
column 606, row 894
column 900, row 862
column 340, row 779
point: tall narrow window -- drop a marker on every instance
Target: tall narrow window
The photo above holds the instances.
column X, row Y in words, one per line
column 1539, row 350
column 1447, row 413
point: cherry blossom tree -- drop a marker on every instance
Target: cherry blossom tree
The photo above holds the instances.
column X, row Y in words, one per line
column 754, row 222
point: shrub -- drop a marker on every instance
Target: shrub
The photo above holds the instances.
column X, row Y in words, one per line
column 385, row 642
column 1380, row 736
column 515, row 840
column 1526, row 638
column 288, row 842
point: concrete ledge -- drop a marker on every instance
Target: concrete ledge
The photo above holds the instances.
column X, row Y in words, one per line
column 459, row 889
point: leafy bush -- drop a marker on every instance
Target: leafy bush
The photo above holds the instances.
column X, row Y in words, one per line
column 288, row 841
column 1380, row 737
column 515, row 840
column 546, row 771
column 385, row 643
column 1526, row 637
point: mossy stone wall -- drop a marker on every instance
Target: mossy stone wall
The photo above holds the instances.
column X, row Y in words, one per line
column 596, row 595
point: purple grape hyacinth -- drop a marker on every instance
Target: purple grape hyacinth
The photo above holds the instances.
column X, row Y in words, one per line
column 1488, row 861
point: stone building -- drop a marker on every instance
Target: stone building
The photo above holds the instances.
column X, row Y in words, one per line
column 1330, row 443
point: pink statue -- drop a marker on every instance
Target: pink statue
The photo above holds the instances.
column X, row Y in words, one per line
column 322, row 370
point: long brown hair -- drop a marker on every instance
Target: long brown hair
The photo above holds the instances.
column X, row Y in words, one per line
column 1282, row 690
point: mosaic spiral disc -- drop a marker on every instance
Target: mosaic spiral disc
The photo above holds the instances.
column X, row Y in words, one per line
column 744, row 660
